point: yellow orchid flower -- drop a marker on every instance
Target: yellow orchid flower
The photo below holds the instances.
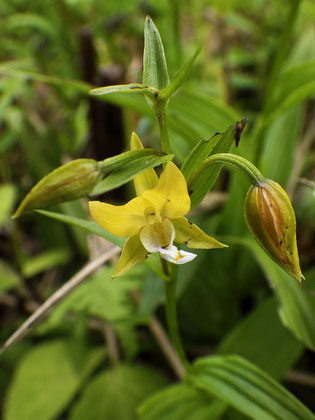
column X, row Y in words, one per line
column 154, row 219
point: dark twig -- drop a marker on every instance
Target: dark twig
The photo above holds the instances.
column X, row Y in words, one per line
column 60, row 294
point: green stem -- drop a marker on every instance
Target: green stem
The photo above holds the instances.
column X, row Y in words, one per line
column 160, row 111
column 235, row 161
column 171, row 314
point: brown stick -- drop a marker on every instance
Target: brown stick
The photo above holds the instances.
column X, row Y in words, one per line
column 163, row 340
column 60, row 294
column 301, row 378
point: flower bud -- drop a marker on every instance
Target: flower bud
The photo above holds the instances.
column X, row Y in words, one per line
column 68, row 182
column 271, row 219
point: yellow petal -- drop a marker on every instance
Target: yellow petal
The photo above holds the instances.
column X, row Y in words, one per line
column 132, row 253
column 146, row 179
column 121, row 220
column 170, row 196
column 193, row 236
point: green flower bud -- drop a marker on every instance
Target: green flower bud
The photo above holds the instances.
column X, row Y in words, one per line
column 68, row 182
column 271, row 219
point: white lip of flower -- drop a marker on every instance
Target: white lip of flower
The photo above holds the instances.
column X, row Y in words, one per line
column 176, row 256
column 159, row 237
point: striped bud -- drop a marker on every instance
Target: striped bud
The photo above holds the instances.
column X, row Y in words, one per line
column 68, row 182
column 271, row 219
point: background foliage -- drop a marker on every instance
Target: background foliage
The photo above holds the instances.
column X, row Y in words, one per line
column 257, row 61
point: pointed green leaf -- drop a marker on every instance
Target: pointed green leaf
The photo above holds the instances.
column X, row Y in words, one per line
column 294, row 82
column 298, row 95
column 181, row 401
column 179, row 78
column 198, row 154
column 130, row 88
column 87, row 225
column 124, row 167
column 117, row 162
column 155, row 73
column 247, row 388
column 199, row 186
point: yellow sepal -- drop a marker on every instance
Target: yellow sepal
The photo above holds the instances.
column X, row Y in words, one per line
column 124, row 220
column 132, row 253
column 146, row 180
column 170, row 195
column 193, row 236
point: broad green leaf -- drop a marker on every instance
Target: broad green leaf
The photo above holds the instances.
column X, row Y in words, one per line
column 47, row 378
column 293, row 83
column 179, row 78
column 262, row 339
column 124, row 170
column 7, row 199
column 181, row 401
column 45, row 261
column 297, row 306
column 116, row 393
column 68, row 182
column 101, row 297
column 105, row 299
column 198, row 154
column 9, row 278
column 155, row 73
column 207, row 175
column 295, row 97
column 205, row 113
column 279, row 150
column 247, row 388
column 130, row 88
column 87, row 225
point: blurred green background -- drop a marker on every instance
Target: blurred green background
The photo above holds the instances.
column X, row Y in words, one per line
column 257, row 61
